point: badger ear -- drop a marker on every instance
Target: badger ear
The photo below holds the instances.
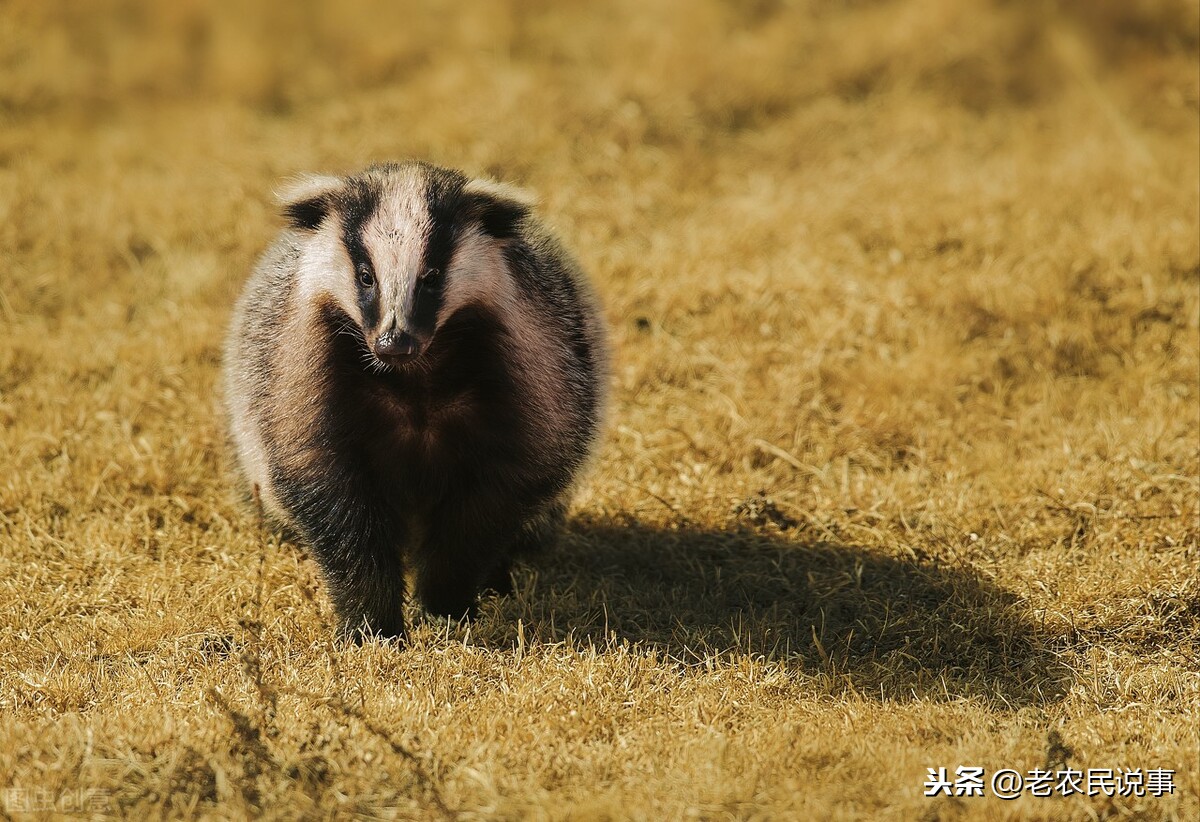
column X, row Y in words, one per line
column 306, row 200
column 498, row 207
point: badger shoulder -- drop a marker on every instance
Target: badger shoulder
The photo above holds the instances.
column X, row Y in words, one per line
column 259, row 314
column 265, row 295
column 550, row 274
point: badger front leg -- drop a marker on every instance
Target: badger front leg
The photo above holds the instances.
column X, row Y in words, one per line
column 359, row 551
column 465, row 546
column 366, row 584
column 537, row 534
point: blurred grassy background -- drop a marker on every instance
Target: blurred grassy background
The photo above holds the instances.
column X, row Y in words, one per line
column 902, row 463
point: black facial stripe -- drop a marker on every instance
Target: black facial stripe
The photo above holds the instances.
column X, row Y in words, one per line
column 443, row 199
column 443, row 196
column 359, row 202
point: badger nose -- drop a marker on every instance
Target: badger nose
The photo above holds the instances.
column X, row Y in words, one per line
column 396, row 346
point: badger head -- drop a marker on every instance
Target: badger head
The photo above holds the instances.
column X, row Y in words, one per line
column 400, row 247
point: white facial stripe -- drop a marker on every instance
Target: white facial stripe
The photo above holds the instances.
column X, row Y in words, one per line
column 395, row 236
column 308, row 186
column 478, row 275
column 325, row 270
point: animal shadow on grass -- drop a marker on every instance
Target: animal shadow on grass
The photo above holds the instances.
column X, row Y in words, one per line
column 889, row 627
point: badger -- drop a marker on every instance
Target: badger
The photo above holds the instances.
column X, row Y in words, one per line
column 414, row 378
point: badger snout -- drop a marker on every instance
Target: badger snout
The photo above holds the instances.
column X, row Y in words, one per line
column 396, row 347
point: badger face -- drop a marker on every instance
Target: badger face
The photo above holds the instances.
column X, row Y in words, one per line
column 398, row 248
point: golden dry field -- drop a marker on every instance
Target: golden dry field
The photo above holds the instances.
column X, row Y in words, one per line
column 901, row 469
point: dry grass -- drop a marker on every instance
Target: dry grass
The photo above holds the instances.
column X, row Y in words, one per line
column 902, row 467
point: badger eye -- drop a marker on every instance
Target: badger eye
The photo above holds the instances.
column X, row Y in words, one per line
column 365, row 278
column 431, row 273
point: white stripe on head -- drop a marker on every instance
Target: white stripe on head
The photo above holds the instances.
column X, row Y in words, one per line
column 501, row 191
column 395, row 236
column 325, row 269
column 308, row 187
column 478, row 274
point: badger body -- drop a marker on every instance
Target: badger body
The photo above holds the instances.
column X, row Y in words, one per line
column 414, row 378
